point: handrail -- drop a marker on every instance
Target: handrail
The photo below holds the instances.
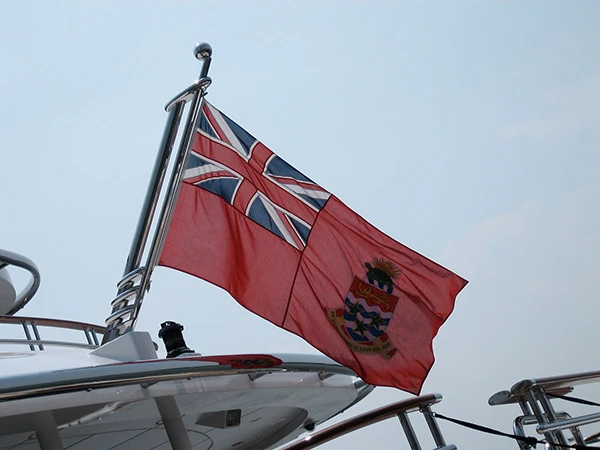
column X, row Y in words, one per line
column 56, row 323
column 91, row 332
column 42, row 342
column 506, row 397
column 556, row 382
column 366, row 419
column 521, row 421
column 148, row 372
column 534, row 397
column 568, row 423
column 10, row 258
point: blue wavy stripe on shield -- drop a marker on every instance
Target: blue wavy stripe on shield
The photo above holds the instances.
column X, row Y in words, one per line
column 365, row 334
column 356, row 337
column 363, row 308
column 360, row 315
column 360, row 337
column 367, row 331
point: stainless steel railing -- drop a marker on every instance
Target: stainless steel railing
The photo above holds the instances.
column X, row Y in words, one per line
column 32, row 334
column 535, row 397
column 400, row 409
column 149, row 372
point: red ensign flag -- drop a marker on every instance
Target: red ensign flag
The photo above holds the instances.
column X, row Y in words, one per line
column 291, row 252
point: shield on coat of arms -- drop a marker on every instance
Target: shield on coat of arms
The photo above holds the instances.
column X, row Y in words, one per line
column 367, row 311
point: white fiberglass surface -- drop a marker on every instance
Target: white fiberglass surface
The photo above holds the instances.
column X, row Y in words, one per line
column 272, row 408
column 7, row 291
column 21, row 361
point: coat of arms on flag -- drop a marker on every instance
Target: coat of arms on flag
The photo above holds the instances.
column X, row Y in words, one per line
column 368, row 308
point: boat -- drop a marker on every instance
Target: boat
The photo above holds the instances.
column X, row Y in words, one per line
column 77, row 393
column 104, row 386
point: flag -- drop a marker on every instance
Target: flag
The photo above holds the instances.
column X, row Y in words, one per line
column 291, row 252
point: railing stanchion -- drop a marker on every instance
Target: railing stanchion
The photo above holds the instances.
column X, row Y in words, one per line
column 87, row 335
column 433, row 426
column 556, row 436
column 25, row 325
column 95, row 337
column 409, row 431
column 37, row 335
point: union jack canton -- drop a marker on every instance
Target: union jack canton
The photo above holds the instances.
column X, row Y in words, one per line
column 229, row 162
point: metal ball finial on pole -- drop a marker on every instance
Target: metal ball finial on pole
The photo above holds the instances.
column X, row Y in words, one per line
column 203, row 53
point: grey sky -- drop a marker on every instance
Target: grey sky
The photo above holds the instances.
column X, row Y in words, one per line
column 466, row 130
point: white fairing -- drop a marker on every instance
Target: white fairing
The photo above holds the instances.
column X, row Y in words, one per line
column 8, row 294
column 98, row 402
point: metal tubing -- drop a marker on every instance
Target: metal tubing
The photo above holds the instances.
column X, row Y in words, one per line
column 525, row 407
column 130, row 278
column 46, row 431
column 145, row 220
column 577, row 435
column 552, row 383
column 535, row 408
column 28, row 335
column 179, row 369
column 409, row 431
column 203, row 52
column 88, row 336
column 37, row 335
column 55, row 323
column 187, row 94
column 123, row 298
column 519, row 429
column 170, row 198
column 94, row 337
column 175, row 108
column 363, row 420
column 33, row 342
column 508, row 397
column 568, row 423
column 539, row 414
column 521, row 421
column 171, row 417
column 551, row 415
column 116, row 318
column 438, row 438
column 153, row 192
column 91, row 331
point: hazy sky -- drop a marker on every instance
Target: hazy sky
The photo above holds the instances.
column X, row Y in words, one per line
column 466, row 130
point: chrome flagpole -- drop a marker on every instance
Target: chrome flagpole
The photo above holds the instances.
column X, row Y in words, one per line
column 136, row 278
